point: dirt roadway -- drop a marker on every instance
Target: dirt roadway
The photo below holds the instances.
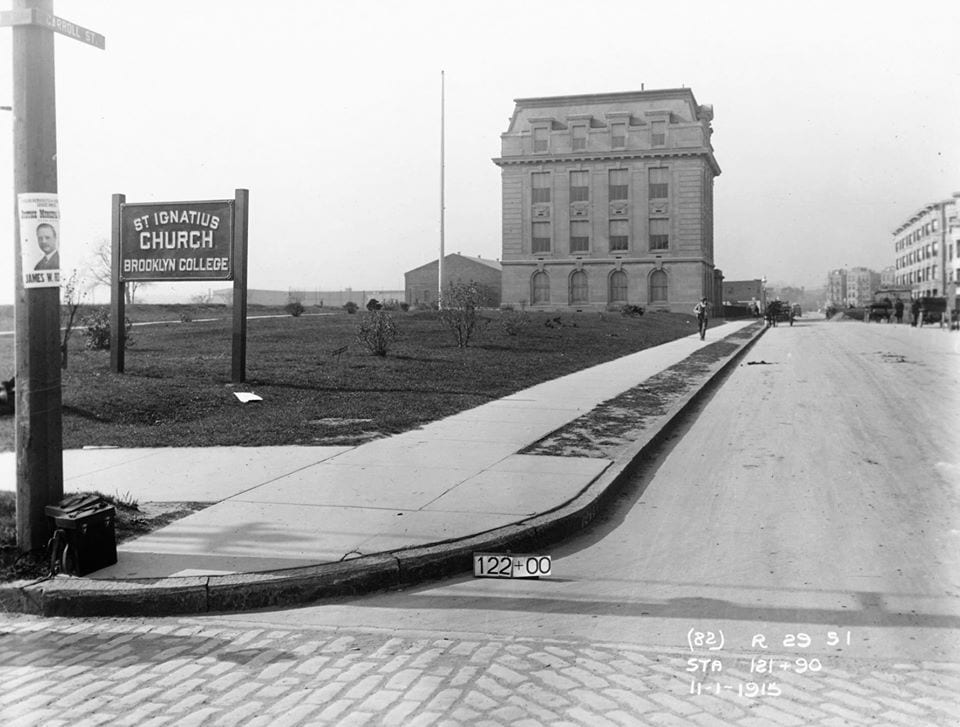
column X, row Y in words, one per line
column 816, row 491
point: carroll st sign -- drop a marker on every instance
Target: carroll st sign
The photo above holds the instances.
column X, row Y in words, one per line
column 176, row 241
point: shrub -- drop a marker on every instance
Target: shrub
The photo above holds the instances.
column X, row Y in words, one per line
column 631, row 310
column 374, row 304
column 404, row 307
column 377, row 332
column 98, row 330
column 460, row 311
column 294, row 308
column 512, row 322
column 350, row 307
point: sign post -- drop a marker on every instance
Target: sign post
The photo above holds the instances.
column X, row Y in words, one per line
column 238, row 369
column 39, row 426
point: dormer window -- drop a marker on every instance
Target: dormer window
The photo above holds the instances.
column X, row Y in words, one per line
column 658, row 133
column 578, row 137
column 618, row 134
column 541, row 139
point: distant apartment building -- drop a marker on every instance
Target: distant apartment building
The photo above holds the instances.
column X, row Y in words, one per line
column 862, row 283
column 888, row 277
column 927, row 249
column 837, row 287
column 421, row 283
column 608, row 199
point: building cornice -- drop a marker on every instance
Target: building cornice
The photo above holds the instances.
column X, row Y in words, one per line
column 619, row 96
column 607, row 156
column 924, row 211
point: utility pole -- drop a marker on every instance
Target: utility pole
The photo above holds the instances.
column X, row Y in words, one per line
column 39, row 430
column 39, row 433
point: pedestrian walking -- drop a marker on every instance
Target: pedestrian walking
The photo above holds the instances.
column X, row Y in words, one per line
column 898, row 310
column 701, row 310
column 914, row 312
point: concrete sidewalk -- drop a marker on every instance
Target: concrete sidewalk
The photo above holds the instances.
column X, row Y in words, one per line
column 302, row 507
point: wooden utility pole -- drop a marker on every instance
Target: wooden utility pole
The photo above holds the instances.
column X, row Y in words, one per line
column 39, row 434
column 39, row 428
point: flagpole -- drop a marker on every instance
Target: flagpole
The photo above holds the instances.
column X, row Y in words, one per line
column 442, row 206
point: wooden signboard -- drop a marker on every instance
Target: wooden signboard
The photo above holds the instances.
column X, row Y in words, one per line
column 180, row 241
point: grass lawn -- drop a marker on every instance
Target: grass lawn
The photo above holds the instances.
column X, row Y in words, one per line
column 176, row 390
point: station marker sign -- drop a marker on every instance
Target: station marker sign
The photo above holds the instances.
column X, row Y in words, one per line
column 510, row 565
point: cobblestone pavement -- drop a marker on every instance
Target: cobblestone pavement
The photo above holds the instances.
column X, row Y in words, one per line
column 205, row 671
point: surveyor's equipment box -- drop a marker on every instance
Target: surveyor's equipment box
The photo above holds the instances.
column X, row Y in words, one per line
column 87, row 536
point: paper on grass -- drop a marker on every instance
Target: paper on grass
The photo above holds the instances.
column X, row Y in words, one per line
column 245, row 396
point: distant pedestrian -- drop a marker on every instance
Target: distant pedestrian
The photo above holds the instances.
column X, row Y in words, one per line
column 898, row 310
column 914, row 312
column 701, row 310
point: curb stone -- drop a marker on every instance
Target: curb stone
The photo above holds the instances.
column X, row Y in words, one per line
column 79, row 597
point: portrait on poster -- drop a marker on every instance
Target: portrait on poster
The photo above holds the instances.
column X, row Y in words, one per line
column 39, row 239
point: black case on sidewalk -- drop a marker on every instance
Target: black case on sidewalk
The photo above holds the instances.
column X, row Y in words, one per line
column 90, row 534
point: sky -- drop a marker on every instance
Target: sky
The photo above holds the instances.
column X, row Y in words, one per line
column 834, row 122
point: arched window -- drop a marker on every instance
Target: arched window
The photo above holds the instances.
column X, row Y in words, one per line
column 578, row 287
column 658, row 287
column 540, row 287
column 618, row 287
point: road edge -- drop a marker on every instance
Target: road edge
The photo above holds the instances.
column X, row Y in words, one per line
column 80, row 597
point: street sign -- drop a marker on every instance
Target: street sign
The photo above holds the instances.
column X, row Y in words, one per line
column 37, row 16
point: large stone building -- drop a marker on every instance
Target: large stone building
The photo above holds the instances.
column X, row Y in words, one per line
column 608, row 199
column 421, row 282
column 927, row 249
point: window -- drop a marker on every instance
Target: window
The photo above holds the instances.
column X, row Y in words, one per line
column 579, row 141
column 579, row 236
column 540, row 288
column 578, row 287
column 618, row 134
column 579, row 186
column 659, row 234
column 540, row 241
column 658, row 133
column 934, row 226
column 659, row 184
column 619, row 235
column 541, row 139
column 618, row 287
column 933, row 247
column 541, row 187
column 618, row 184
column 658, row 287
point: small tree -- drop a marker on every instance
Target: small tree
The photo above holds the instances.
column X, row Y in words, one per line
column 350, row 307
column 377, row 332
column 72, row 295
column 98, row 330
column 460, row 311
column 100, row 269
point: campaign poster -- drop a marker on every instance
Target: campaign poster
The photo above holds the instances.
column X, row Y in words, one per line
column 39, row 239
